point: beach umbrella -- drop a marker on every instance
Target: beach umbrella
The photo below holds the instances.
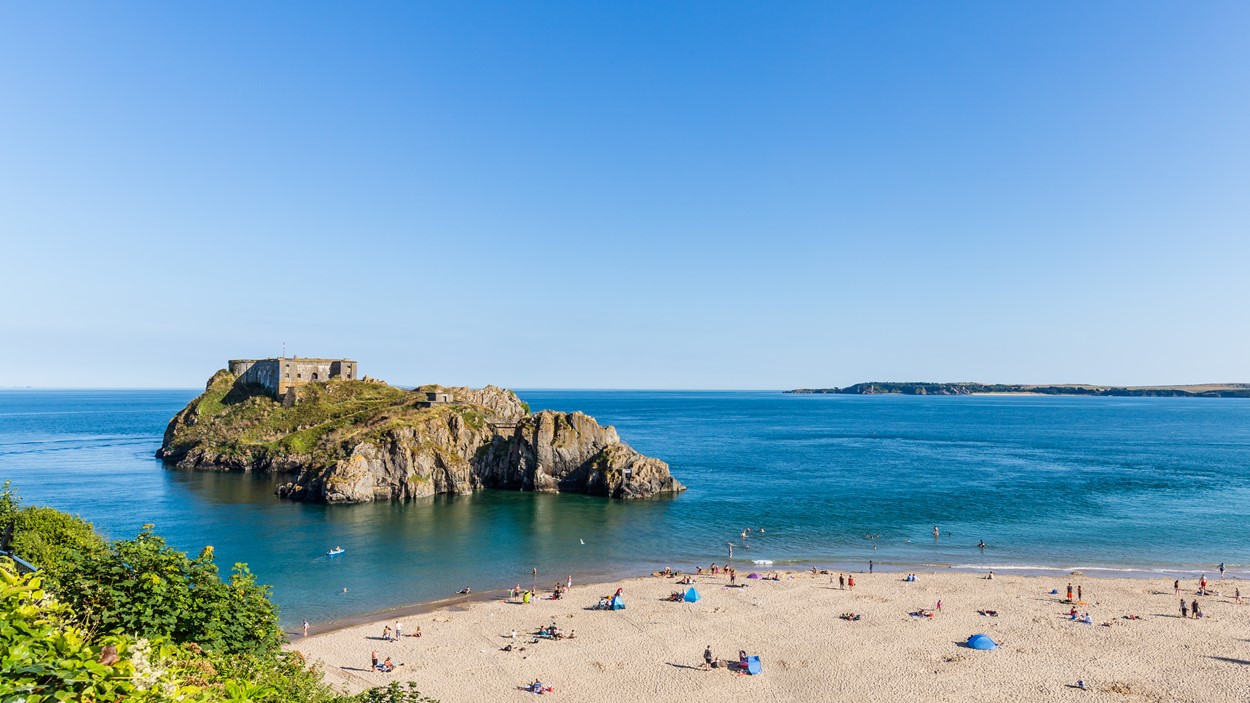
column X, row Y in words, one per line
column 979, row 641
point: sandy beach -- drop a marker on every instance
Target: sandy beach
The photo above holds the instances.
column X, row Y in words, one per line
column 653, row 648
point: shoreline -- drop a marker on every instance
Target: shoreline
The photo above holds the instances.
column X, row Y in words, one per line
column 809, row 651
column 461, row 602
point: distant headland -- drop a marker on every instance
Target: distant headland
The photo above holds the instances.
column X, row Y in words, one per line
column 1208, row 390
column 336, row 437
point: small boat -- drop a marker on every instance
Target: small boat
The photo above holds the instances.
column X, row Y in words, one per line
column 335, row 552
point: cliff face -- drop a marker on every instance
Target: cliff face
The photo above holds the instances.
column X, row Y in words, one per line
column 356, row 441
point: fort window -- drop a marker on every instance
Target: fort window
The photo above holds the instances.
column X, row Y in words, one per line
column 314, row 376
column 299, row 375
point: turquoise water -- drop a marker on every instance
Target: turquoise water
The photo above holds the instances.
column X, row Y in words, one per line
column 1140, row 484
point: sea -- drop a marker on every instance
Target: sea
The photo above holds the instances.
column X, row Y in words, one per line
column 1151, row 487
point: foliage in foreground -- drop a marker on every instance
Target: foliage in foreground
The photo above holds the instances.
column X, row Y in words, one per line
column 138, row 621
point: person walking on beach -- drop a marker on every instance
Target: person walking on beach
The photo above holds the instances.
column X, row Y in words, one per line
column 1202, row 585
column 1176, row 587
column 841, row 582
column 939, row 605
column 1079, row 596
column 399, row 631
column 373, row 656
column 1184, row 609
column 870, row 566
column 1221, row 569
column 850, row 582
column 1193, row 608
column 305, row 628
column 707, row 658
column 1237, row 595
column 1069, row 593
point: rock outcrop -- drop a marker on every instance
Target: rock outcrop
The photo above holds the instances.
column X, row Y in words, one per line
column 348, row 441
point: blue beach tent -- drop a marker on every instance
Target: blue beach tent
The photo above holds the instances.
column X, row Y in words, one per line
column 618, row 603
column 753, row 666
column 981, row 642
column 692, row 596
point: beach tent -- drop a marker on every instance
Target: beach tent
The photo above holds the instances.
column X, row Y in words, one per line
column 753, row 665
column 692, row 596
column 753, row 575
column 618, row 603
column 525, row 597
column 981, row 642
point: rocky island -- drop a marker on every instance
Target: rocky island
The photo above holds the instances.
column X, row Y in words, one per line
column 346, row 440
column 1210, row 390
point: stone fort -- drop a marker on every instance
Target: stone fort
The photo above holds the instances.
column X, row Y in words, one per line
column 284, row 373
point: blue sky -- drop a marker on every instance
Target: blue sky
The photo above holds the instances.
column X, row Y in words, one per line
column 627, row 195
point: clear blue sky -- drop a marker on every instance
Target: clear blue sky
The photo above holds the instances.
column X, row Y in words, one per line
column 627, row 195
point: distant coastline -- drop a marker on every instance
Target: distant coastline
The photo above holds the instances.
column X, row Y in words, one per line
column 1206, row 390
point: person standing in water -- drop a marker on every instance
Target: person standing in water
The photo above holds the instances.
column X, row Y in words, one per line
column 936, row 532
column 1221, row 569
column 305, row 628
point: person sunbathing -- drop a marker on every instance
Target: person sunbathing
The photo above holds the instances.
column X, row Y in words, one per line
column 991, row 613
column 387, row 666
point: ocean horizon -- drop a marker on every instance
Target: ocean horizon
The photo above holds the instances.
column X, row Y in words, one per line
column 1136, row 486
